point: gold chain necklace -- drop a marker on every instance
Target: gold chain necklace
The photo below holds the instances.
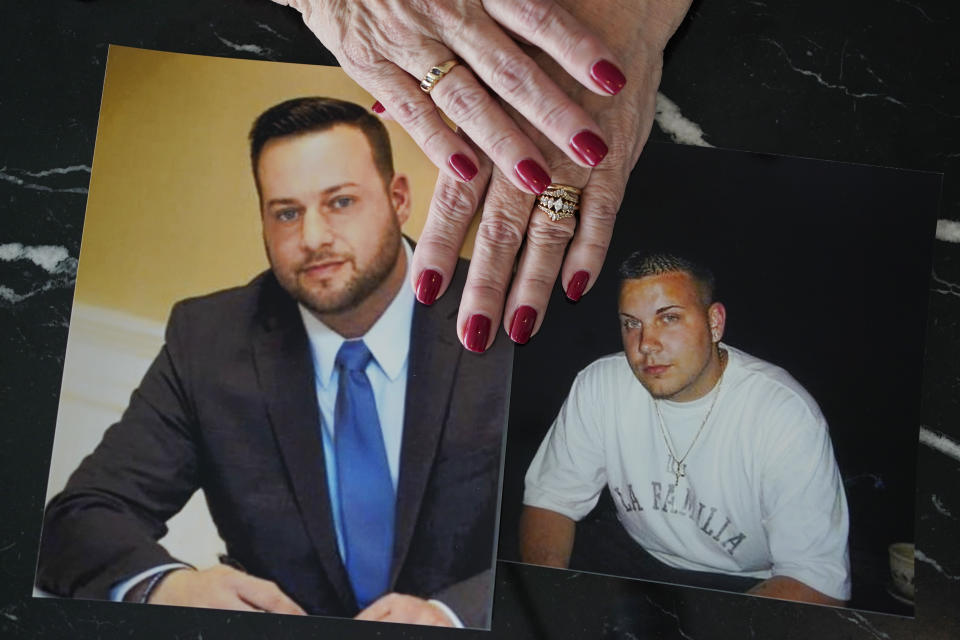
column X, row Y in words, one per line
column 676, row 465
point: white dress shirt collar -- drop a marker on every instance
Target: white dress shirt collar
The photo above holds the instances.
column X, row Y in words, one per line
column 388, row 339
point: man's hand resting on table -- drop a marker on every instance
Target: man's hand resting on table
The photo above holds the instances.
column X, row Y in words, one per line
column 396, row 607
column 222, row 587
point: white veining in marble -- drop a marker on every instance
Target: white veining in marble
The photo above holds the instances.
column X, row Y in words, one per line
column 939, row 506
column 256, row 49
column 53, row 259
column 861, row 622
column 922, row 557
column 948, row 230
column 917, row 8
column 674, row 124
column 943, row 444
column 617, row 631
column 9, row 295
column 944, row 286
column 670, row 613
column 271, row 30
column 826, row 83
column 815, row 44
column 866, row 67
column 7, row 176
column 60, row 171
column 7, row 612
column 46, row 256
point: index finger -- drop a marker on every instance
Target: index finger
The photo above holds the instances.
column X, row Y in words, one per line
column 266, row 596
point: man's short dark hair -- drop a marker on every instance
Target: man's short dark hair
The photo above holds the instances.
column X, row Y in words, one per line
column 314, row 114
column 644, row 263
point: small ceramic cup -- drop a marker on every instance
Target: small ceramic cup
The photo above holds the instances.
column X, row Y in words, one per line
column 901, row 567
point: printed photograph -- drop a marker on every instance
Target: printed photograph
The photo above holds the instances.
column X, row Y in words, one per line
column 256, row 414
column 736, row 404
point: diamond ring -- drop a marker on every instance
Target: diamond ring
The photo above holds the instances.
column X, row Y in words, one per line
column 559, row 201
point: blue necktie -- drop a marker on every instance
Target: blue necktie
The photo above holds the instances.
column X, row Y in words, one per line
column 366, row 493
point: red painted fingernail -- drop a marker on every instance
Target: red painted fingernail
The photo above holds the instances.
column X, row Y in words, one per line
column 377, row 107
column 521, row 327
column 428, row 286
column 577, row 284
column 463, row 166
column 608, row 76
column 478, row 330
column 533, row 175
column 589, row 147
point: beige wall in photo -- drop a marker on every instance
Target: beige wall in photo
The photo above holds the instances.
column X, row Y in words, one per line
column 172, row 210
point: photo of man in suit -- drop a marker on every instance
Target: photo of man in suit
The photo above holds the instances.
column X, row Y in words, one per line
column 348, row 447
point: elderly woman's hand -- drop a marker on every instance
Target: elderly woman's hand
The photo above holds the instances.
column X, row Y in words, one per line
column 388, row 46
column 638, row 31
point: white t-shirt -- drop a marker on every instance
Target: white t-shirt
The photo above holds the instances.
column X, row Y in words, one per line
column 762, row 495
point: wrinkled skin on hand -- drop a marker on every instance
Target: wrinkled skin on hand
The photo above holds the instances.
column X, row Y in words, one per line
column 387, row 46
column 638, row 33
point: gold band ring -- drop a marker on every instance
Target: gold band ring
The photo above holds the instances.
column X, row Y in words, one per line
column 559, row 201
column 433, row 76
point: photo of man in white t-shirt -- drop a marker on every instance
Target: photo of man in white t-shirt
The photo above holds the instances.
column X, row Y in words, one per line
column 717, row 461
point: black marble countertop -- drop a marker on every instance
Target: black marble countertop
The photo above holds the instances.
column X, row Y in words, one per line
column 874, row 82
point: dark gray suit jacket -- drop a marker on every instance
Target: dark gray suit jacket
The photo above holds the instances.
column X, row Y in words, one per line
column 229, row 406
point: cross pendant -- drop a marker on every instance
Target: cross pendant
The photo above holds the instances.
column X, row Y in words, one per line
column 677, row 468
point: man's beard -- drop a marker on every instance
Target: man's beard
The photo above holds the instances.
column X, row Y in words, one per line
column 358, row 288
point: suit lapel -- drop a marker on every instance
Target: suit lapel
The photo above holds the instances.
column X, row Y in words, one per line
column 434, row 356
column 285, row 373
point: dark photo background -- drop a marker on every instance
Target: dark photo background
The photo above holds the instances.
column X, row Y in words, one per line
column 824, row 270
